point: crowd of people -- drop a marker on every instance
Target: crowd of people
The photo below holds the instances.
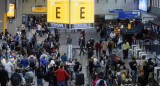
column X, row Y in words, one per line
column 23, row 58
column 108, row 68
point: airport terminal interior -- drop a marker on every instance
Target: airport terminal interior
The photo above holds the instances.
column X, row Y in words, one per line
column 79, row 42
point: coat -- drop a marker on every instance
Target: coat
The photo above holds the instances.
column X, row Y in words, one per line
column 104, row 45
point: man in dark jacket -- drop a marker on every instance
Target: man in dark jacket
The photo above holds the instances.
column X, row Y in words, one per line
column 3, row 76
column 142, row 80
column 16, row 79
column 133, row 66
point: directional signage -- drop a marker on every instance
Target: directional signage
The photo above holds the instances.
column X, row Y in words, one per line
column 115, row 10
column 73, row 14
column 58, row 11
column 128, row 14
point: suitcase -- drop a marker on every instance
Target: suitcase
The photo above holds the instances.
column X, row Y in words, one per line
column 79, row 79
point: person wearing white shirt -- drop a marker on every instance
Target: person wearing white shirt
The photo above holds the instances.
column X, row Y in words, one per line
column 112, row 35
column 120, row 43
column 95, row 61
column 71, row 65
column 8, row 68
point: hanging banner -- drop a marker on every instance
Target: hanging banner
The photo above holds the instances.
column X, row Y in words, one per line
column 58, row 11
column 78, row 13
column 11, row 11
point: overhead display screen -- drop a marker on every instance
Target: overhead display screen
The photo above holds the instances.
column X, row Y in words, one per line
column 143, row 5
column 11, row 11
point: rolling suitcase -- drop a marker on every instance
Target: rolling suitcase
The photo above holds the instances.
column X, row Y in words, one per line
column 79, row 79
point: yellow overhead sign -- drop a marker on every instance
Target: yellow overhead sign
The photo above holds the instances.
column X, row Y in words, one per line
column 71, row 12
column 82, row 11
column 58, row 11
column 11, row 10
column 42, row 9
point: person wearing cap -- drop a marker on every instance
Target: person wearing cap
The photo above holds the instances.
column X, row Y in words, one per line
column 64, row 58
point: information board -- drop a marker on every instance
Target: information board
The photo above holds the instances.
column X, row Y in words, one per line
column 11, row 11
column 73, row 14
column 115, row 10
column 39, row 8
column 128, row 14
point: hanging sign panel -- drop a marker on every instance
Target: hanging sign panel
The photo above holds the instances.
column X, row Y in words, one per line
column 58, row 11
column 78, row 13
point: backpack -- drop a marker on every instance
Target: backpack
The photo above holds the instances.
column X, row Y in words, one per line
column 15, row 79
column 4, row 46
column 101, row 83
column 109, row 45
column 33, row 39
column 31, row 62
column 46, row 77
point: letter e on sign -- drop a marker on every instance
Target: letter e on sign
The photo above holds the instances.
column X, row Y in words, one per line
column 57, row 12
column 82, row 12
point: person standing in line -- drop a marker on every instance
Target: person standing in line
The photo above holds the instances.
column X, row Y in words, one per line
column 9, row 68
column 69, row 42
column 98, row 48
column 104, row 46
column 24, row 62
column 83, row 34
column 133, row 65
column 125, row 48
column 43, row 63
column 81, row 44
column 3, row 76
column 112, row 35
column 64, row 58
column 110, row 47
column 120, row 43
column 61, row 76
column 77, row 67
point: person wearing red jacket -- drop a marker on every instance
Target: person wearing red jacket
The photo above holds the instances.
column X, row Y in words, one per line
column 98, row 48
column 61, row 75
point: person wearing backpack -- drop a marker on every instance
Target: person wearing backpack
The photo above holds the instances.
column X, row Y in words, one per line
column 110, row 47
column 3, row 76
column 40, row 75
column 34, row 40
column 32, row 63
column 16, row 79
column 101, row 81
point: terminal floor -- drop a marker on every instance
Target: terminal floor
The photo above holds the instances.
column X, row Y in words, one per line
column 83, row 58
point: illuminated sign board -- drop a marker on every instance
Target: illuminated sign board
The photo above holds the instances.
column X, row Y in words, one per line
column 143, row 5
column 39, row 8
column 11, row 11
column 78, row 13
